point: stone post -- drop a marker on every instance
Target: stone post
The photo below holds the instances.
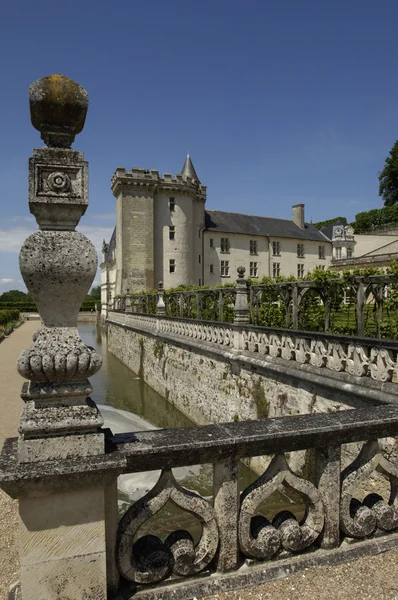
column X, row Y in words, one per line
column 160, row 305
column 241, row 310
column 62, row 523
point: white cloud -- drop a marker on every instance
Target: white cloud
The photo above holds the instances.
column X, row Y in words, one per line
column 96, row 234
column 6, row 280
column 18, row 219
column 12, row 239
column 103, row 216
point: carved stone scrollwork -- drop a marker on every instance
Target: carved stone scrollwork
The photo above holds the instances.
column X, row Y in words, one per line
column 318, row 353
column 360, row 519
column 288, row 346
column 150, row 560
column 357, row 360
column 381, row 364
column 261, row 539
column 336, row 359
column 302, row 352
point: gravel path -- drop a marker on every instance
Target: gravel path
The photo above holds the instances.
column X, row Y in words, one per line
column 10, row 409
column 369, row 578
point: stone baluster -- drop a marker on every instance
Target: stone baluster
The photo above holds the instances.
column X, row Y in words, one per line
column 160, row 305
column 62, row 523
column 327, row 479
column 241, row 310
column 226, row 505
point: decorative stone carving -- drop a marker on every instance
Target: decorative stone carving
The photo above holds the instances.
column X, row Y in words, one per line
column 360, row 519
column 58, row 265
column 261, row 539
column 149, row 559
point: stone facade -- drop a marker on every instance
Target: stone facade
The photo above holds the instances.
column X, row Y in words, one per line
column 373, row 249
column 163, row 233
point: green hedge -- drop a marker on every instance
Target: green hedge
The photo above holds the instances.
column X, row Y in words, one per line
column 8, row 316
column 29, row 307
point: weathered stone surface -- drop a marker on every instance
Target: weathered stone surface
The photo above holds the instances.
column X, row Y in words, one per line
column 226, row 506
column 241, row 309
column 58, row 108
column 18, row 478
column 360, row 519
column 261, row 573
column 58, row 268
column 58, row 187
column 284, row 532
column 153, row 561
column 168, row 448
column 40, row 449
column 327, row 478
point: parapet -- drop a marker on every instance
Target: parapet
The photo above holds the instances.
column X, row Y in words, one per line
column 150, row 178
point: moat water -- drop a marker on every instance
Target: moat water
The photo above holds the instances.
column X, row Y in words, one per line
column 128, row 404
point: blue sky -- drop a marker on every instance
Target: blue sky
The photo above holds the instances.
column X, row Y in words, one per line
column 277, row 102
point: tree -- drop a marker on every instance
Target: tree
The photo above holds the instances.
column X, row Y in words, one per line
column 95, row 293
column 388, row 178
column 15, row 296
column 321, row 224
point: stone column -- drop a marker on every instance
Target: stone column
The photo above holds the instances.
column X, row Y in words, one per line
column 241, row 310
column 160, row 305
column 62, row 524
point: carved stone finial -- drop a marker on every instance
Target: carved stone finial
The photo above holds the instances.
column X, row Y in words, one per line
column 160, row 285
column 58, row 108
column 241, row 272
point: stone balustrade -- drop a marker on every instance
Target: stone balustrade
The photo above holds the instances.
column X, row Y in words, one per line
column 340, row 505
column 360, row 357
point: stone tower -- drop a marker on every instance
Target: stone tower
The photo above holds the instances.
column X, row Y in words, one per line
column 159, row 228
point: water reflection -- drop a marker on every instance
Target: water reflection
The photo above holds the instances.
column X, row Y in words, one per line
column 127, row 403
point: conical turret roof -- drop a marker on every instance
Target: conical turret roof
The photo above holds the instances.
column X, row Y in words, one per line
column 188, row 170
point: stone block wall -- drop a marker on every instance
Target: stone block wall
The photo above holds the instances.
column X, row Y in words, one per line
column 210, row 385
column 213, row 387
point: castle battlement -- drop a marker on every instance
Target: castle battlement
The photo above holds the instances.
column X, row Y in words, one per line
column 139, row 177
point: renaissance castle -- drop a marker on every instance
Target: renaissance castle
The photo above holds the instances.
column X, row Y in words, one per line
column 164, row 233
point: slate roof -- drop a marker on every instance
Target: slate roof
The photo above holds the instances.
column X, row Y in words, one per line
column 328, row 229
column 111, row 247
column 188, row 170
column 216, row 220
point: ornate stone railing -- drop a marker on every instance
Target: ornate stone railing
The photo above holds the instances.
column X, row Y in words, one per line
column 361, row 357
column 340, row 503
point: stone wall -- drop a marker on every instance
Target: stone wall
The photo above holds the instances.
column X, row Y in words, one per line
column 211, row 385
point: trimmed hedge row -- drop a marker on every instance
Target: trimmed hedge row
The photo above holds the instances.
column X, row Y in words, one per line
column 8, row 316
column 29, row 307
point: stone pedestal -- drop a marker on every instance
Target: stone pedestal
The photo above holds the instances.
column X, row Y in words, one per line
column 62, row 541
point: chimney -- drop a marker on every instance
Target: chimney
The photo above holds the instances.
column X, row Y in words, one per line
column 298, row 215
